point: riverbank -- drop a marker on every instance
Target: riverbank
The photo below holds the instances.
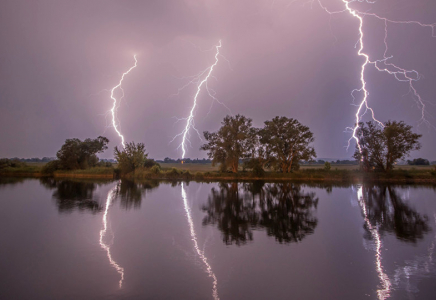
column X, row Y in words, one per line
column 36, row 172
column 312, row 174
column 345, row 174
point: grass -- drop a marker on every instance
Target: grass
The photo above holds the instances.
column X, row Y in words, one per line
column 341, row 173
column 98, row 172
column 35, row 170
column 174, row 171
column 28, row 170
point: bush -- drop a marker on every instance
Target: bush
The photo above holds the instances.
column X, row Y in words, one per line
column 173, row 172
column 4, row 163
column 255, row 166
column 258, row 171
column 51, row 167
column 13, row 163
column 104, row 164
column 155, row 169
column 199, row 175
column 327, row 166
column 117, row 172
column 131, row 157
column 149, row 163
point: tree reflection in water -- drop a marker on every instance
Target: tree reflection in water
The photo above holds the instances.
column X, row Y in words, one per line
column 285, row 210
column 385, row 211
column 131, row 193
column 72, row 194
column 79, row 194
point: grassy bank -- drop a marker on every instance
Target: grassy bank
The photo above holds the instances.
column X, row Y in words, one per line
column 99, row 172
column 203, row 172
column 23, row 171
column 35, row 170
column 344, row 174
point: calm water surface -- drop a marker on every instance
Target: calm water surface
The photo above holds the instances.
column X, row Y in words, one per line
column 63, row 239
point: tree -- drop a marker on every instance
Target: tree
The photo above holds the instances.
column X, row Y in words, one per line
column 131, row 157
column 75, row 154
column 382, row 147
column 287, row 142
column 234, row 141
column 418, row 162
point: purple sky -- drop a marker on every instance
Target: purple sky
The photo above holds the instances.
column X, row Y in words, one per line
column 286, row 58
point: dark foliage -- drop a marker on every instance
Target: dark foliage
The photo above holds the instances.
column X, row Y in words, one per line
column 418, row 162
column 133, row 156
column 235, row 140
column 76, row 154
column 382, row 147
column 284, row 210
column 286, row 143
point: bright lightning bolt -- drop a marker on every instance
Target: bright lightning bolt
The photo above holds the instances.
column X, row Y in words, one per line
column 400, row 74
column 115, row 106
column 196, row 247
column 190, row 119
column 103, row 232
column 384, row 292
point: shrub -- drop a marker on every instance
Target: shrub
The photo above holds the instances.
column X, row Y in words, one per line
column 117, row 172
column 155, row 169
column 104, row 164
column 51, row 167
column 258, row 171
column 4, row 163
column 149, row 163
column 13, row 163
column 173, row 172
column 256, row 167
column 199, row 175
column 131, row 157
column 327, row 166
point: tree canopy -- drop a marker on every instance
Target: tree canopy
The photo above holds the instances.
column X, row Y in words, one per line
column 382, row 147
column 286, row 143
column 131, row 157
column 235, row 140
column 75, row 154
column 419, row 162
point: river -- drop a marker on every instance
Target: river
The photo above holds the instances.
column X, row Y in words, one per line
column 96, row 239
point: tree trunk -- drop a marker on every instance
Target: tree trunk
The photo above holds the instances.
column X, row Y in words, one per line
column 235, row 166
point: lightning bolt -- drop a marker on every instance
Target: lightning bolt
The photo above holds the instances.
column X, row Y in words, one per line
column 400, row 74
column 190, row 124
column 196, row 247
column 115, row 105
column 384, row 292
column 103, row 232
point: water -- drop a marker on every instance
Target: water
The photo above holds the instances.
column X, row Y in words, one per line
column 87, row 239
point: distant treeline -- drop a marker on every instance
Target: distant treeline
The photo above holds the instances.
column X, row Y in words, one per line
column 337, row 162
column 34, row 159
column 208, row 161
column 168, row 160
column 420, row 162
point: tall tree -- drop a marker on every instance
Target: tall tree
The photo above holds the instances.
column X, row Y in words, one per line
column 131, row 157
column 233, row 141
column 75, row 154
column 382, row 147
column 287, row 142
